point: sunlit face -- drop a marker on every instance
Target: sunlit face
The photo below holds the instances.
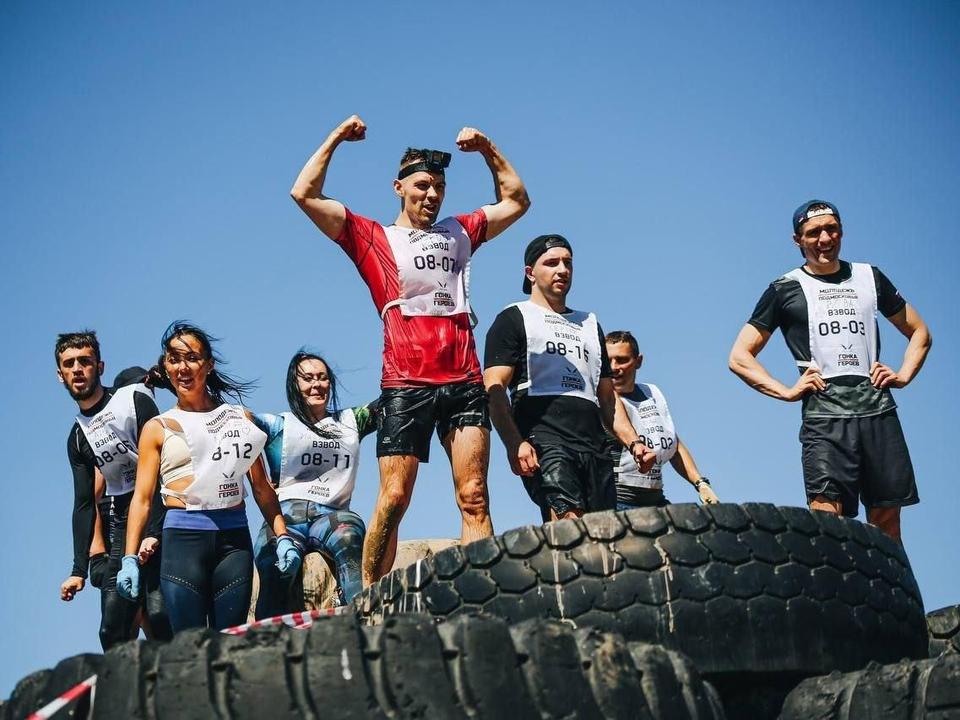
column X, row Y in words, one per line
column 819, row 240
column 552, row 273
column 623, row 365
column 313, row 381
column 187, row 365
column 422, row 195
column 79, row 371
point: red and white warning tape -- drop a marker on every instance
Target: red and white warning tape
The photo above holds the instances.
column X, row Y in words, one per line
column 295, row 620
column 48, row 711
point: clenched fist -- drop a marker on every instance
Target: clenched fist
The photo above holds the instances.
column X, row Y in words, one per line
column 352, row 129
column 472, row 140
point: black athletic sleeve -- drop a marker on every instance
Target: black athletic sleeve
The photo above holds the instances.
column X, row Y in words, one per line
column 84, row 501
column 889, row 300
column 146, row 410
column 766, row 315
column 604, row 358
column 506, row 342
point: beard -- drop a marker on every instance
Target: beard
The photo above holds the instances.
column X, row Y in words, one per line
column 84, row 394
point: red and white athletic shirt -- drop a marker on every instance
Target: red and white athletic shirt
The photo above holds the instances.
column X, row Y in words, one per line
column 418, row 281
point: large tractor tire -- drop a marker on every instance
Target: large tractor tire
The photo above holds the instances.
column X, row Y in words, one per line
column 944, row 628
column 42, row 687
column 909, row 690
column 779, row 593
column 406, row 667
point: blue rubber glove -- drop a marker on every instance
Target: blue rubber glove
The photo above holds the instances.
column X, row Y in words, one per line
column 288, row 557
column 128, row 578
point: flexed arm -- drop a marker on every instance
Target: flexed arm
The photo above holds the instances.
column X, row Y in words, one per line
column 512, row 199
column 326, row 213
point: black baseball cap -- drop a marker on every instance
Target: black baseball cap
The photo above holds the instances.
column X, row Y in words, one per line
column 804, row 213
column 537, row 247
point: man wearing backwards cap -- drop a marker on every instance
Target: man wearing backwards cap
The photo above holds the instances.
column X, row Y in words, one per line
column 554, row 361
column 418, row 273
column 853, row 445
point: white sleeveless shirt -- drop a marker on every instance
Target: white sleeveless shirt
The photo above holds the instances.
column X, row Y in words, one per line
column 652, row 420
column 563, row 352
column 841, row 321
column 112, row 435
column 223, row 445
column 322, row 470
column 433, row 268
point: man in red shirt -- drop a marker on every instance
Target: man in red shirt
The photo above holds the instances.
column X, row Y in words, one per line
column 418, row 273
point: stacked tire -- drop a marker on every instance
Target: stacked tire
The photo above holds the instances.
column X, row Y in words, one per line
column 683, row 612
column 758, row 597
column 407, row 667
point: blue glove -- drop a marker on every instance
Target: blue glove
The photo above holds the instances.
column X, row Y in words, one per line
column 288, row 557
column 128, row 578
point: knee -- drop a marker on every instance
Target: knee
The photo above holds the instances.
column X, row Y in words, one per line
column 472, row 497
column 394, row 497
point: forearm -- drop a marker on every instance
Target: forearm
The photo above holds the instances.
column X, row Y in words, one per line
column 157, row 514
column 748, row 368
column 137, row 520
column 309, row 183
column 613, row 416
column 84, row 520
column 683, row 463
column 266, row 499
column 507, row 183
column 502, row 418
column 915, row 354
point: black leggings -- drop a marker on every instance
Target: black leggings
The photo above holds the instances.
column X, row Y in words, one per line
column 118, row 616
column 206, row 577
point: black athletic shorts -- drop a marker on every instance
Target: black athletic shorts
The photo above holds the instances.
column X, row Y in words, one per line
column 848, row 459
column 571, row 480
column 629, row 496
column 408, row 415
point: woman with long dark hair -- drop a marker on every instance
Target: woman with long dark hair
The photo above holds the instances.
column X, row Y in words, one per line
column 201, row 449
column 313, row 453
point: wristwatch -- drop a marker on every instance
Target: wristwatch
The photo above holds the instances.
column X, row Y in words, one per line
column 630, row 446
column 704, row 480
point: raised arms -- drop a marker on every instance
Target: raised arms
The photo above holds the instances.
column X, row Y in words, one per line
column 326, row 213
column 512, row 199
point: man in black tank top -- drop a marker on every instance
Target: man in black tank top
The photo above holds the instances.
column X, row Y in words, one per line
column 853, row 445
column 79, row 368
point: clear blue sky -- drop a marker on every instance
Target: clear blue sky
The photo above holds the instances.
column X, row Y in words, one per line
column 148, row 150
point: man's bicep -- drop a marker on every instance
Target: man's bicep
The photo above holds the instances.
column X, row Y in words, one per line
column 907, row 320
column 327, row 214
column 751, row 339
column 498, row 375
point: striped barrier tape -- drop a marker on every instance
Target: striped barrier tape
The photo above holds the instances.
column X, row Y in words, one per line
column 295, row 620
column 298, row 620
column 49, row 710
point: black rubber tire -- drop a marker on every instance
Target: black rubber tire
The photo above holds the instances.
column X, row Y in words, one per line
column 909, row 690
column 408, row 666
column 44, row 686
column 27, row 697
column 751, row 588
column 944, row 628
